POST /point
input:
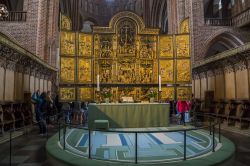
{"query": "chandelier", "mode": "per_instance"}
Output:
(3, 11)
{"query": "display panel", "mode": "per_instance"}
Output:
(85, 44)
(167, 71)
(67, 71)
(84, 70)
(182, 45)
(166, 46)
(67, 94)
(168, 93)
(184, 26)
(85, 93)
(67, 43)
(126, 69)
(183, 70)
(184, 93)
(104, 68)
(66, 23)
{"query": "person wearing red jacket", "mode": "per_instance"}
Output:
(182, 106)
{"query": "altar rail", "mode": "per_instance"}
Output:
(210, 123)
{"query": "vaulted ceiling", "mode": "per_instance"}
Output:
(99, 12)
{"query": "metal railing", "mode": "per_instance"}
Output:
(238, 20)
(11, 131)
(218, 22)
(211, 127)
(18, 16)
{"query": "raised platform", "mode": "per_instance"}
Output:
(155, 148)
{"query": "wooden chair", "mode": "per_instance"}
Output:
(26, 113)
(238, 115)
(19, 120)
(231, 112)
(8, 117)
(245, 120)
(1, 120)
(220, 109)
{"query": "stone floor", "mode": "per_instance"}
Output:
(29, 150)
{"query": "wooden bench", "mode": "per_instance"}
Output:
(101, 124)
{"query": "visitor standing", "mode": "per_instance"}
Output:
(34, 100)
(41, 112)
(49, 104)
(181, 107)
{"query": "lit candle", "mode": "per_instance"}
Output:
(159, 82)
(98, 82)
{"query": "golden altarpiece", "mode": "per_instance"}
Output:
(127, 58)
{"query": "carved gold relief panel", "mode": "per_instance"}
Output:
(184, 93)
(126, 70)
(167, 71)
(166, 46)
(85, 94)
(146, 71)
(84, 70)
(67, 94)
(146, 46)
(67, 43)
(183, 70)
(65, 23)
(105, 70)
(85, 44)
(126, 35)
(184, 26)
(182, 45)
(104, 47)
(167, 93)
(67, 70)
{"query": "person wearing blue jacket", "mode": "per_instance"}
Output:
(40, 111)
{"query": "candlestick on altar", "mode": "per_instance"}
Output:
(98, 83)
(159, 82)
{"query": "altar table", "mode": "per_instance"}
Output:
(130, 115)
